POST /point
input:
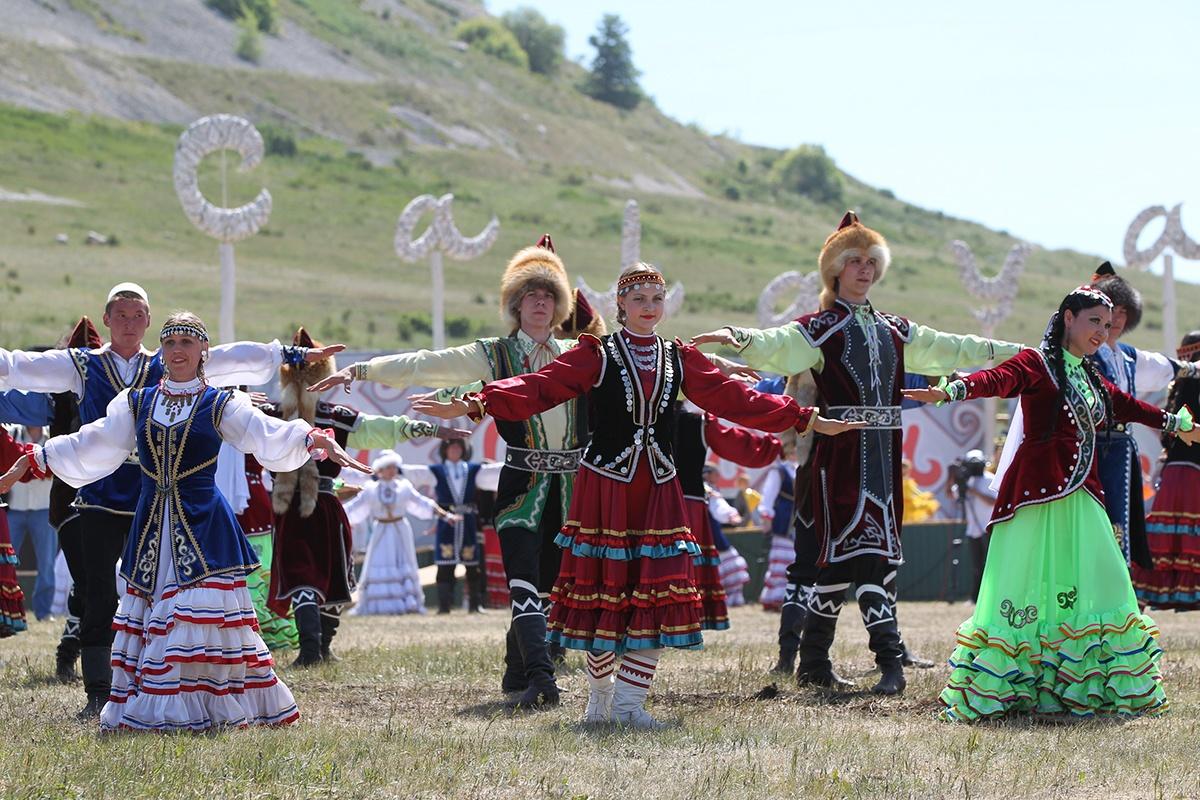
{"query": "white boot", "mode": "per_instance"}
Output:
(632, 686)
(601, 676)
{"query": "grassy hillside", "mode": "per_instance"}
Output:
(410, 114)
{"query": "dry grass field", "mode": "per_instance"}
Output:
(413, 710)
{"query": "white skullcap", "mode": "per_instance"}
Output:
(128, 287)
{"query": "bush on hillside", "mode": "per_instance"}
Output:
(265, 12)
(249, 43)
(809, 171)
(277, 141)
(541, 40)
(489, 36)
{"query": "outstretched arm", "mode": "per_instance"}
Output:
(278, 445)
(739, 445)
(783, 349)
(520, 397)
(373, 431)
(705, 386)
(1127, 408)
(93, 451)
(256, 363)
(1009, 379)
(51, 371)
(935, 353)
(452, 366)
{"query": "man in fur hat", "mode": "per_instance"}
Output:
(858, 356)
(542, 452)
(96, 375)
(312, 572)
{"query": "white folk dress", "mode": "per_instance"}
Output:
(391, 581)
(187, 654)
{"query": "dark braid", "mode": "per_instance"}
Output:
(1174, 401)
(1052, 346)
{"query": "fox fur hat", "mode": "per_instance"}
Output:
(537, 267)
(851, 238)
(296, 402)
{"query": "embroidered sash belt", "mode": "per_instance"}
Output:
(549, 461)
(876, 417)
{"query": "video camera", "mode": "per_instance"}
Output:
(962, 470)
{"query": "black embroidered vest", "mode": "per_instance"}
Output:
(629, 423)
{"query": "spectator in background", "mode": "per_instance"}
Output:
(746, 501)
(980, 499)
(29, 516)
(918, 505)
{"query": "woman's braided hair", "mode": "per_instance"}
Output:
(1081, 299)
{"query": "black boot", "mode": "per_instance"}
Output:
(891, 680)
(539, 671)
(68, 652)
(329, 626)
(474, 590)
(514, 679)
(96, 663)
(883, 637)
(791, 625)
(815, 667)
(558, 654)
(308, 625)
(445, 591)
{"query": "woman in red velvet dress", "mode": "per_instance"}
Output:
(626, 585)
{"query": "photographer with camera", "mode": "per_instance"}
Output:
(971, 486)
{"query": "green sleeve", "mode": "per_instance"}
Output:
(783, 350)
(453, 366)
(935, 353)
(373, 431)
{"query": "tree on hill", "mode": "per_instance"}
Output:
(541, 39)
(263, 13)
(808, 170)
(489, 36)
(613, 78)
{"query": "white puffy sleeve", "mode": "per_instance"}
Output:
(96, 449)
(358, 508)
(278, 445)
(243, 363)
(52, 371)
(415, 503)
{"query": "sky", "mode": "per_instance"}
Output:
(1056, 122)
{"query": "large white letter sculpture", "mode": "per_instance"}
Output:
(997, 295)
(207, 135)
(800, 292)
(605, 302)
(442, 236)
(1172, 238)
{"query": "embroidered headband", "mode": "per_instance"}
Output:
(1095, 294)
(639, 280)
(184, 329)
(1186, 351)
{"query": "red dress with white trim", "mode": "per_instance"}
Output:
(626, 581)
(187, 653)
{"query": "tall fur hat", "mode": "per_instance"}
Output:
(537, 267)
(851, 238)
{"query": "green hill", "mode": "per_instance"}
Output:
(382, 106)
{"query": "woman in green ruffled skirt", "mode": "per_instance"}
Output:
(1057, 628)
